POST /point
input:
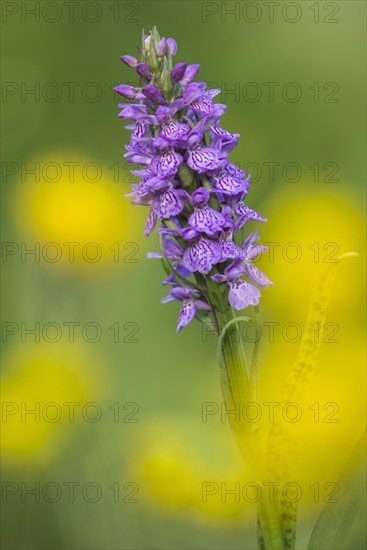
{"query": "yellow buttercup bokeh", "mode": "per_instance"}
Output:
(76, 210)
(44, 387)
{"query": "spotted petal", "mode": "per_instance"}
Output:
(166, 164)
(205, 159)
(230, 186)
(171, 203)
(187, 314)
(256, 276)
(247, 214)
(242, 294)
(174, 131)
(234, 171)
(203, 106)
(230, 250)
(201, 256)
(139, 132)
(151, 221)
(207, 220)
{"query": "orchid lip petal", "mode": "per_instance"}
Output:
(170, 204)
(206, 220)
(201, 256)
(231, 186)
(187, 314)
(242, 294)
(166, 164)
(204, 159)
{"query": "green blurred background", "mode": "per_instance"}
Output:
(142, 441)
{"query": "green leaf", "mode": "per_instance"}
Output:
(333, 527)
(283, 442)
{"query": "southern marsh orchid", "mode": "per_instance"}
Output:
(186, 177)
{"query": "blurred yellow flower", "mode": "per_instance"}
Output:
(189, 467)
(44, 387)
(306, 232)
(76, 204)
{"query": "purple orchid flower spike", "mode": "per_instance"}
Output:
(191, 302)
(194, 193)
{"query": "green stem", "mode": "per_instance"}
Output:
(238, 388)
(254, 367)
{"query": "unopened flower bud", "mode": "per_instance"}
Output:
(129, 60)
(190, 73)
(143, 70)
(126, 91)
(154, 94)
(172, 45)
(147, 43)
(178, 72)
(162, 47)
